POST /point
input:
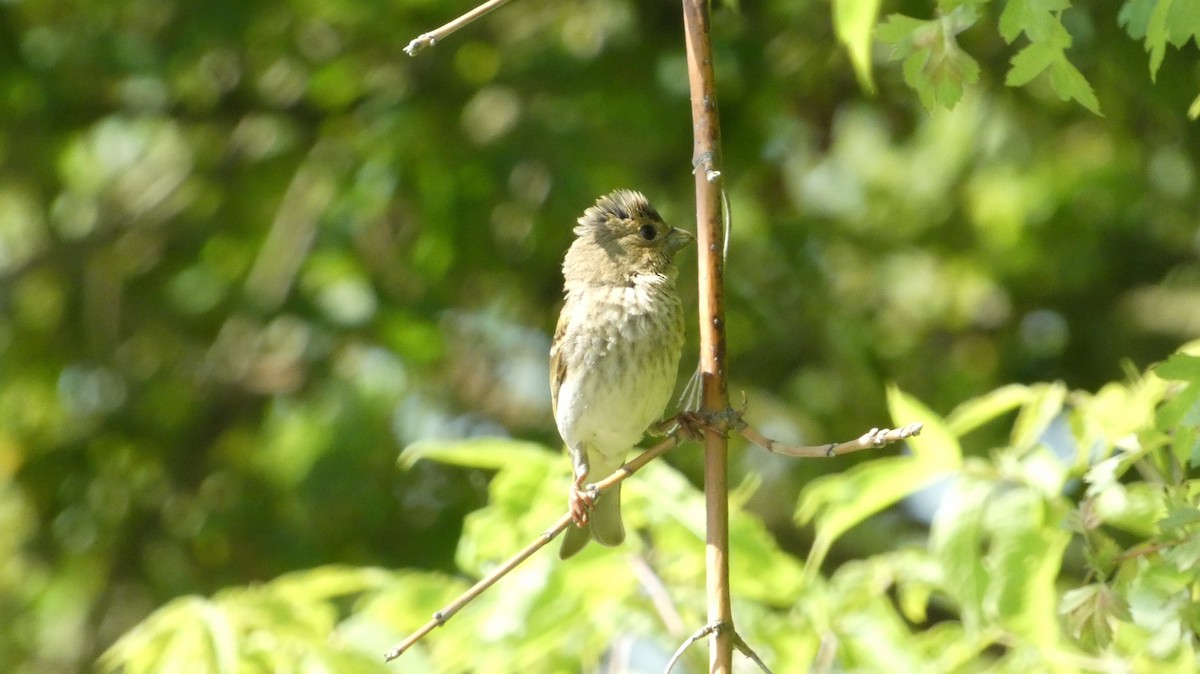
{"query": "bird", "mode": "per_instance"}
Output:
(615, 355)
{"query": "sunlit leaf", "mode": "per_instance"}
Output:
(485, 453)
(1036, 18)
(1044, 405)
(853, 22)
(1023, 562)
(957, 539)
(980, 410)
(936, 444)
(1179, 366)
(835, 503)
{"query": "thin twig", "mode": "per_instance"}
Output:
(717, 627)
(434, 36)
(447, 612)
(660, 598)
(876, 437)
(713, 627)
(823, 663)
(744, 648)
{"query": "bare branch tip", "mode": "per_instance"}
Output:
(420, 43)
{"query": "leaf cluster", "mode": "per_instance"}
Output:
(1074, 546)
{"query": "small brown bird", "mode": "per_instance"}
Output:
(615, 355)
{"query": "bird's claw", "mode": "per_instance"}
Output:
(581, 501)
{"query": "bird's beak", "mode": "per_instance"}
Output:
(678, 238)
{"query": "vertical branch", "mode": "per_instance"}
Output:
(706, 165)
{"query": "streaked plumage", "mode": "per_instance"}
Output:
(615, 355)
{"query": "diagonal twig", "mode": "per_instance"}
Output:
(744, 648)
(713, 627)
(447, 612)
(434, 36)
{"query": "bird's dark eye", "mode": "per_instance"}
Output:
(648, 232)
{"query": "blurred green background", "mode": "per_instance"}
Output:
(249, 251)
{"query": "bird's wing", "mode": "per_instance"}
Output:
(558, 364)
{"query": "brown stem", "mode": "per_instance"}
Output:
(706, 161)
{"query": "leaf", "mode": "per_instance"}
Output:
(1069, 83)
(1157, 35)
(1135, 16)
(952, 72)
(853, 21)
(1179, 518)
(1090, 611)
(957, 538)
(1180, 366)
(1024, 560)
(978, 411)
(1194, 109)
(1038, 19)
(1044, 405)
(835, 503)
(900, 31)
(936, 444)
(1030, 62)
(485, 453)
(838, 502)
(1184, 23)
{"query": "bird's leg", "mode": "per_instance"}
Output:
(581, 500)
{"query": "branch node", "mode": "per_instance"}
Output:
(713, 627)
(712, 175)
(705, 160)
(440, 618)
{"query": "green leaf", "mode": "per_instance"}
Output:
(1030, 62)
(933, 65)
(1069, 83)
(980, 410)
(853, 21)
(1044, 405)
(1090, 611)
(1157, 36)
(838, 502)
(485, 453)
(1038, 19)
(1185, 446)
(957, 538)
(835, 503)
(1179, 518)
(902, 33)
(1180, 366)
(936, 444)
(1184, 23)
(952, 72)
(1135, 16)
(1194, 109)
(1023, 561)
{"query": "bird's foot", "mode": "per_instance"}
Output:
(581, 501)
